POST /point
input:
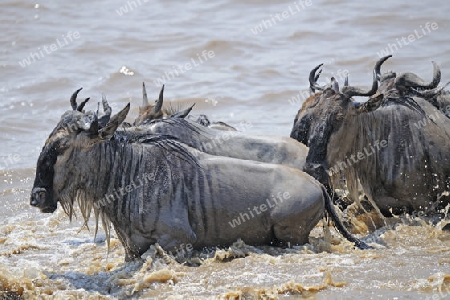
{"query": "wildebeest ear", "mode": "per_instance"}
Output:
(371, 104)
(108, 131)
(159, 102)
(182, 114)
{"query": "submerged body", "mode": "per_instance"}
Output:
(184, 201)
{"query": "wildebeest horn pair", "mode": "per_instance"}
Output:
(106, 108)
(97, 125)
(73, 101)
(158, 102)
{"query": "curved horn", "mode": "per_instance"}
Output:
(412, 80)
(144, 95)
(313, 79)
(431, 93)
(159, 102)
(82, 104)
(73, 99)
(350, 91)
(378, 65)
(317, 75)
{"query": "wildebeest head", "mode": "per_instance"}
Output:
(75, 131)
(328, 110)
(324, 112)
(149, 112)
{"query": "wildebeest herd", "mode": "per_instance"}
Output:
(201, 175)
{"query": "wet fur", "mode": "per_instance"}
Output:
(410, 173)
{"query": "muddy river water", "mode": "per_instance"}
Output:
(242, 62)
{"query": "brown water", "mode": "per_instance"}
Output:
(241, 77)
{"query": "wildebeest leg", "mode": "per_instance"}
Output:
(289, 234)
(390, 206)
(294, 221)
(170, 244)
(174, 232)
(130, 255)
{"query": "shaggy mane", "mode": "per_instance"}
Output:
(167, 143)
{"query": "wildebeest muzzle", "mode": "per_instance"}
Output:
(42, 199)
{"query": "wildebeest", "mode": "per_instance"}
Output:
(149, 112)
(269, 149)
(396, 145)
(153, 190)
(229, 143)
(443, 102)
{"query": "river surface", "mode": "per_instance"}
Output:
(239, 61)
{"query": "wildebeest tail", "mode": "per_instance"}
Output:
(338, 224)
